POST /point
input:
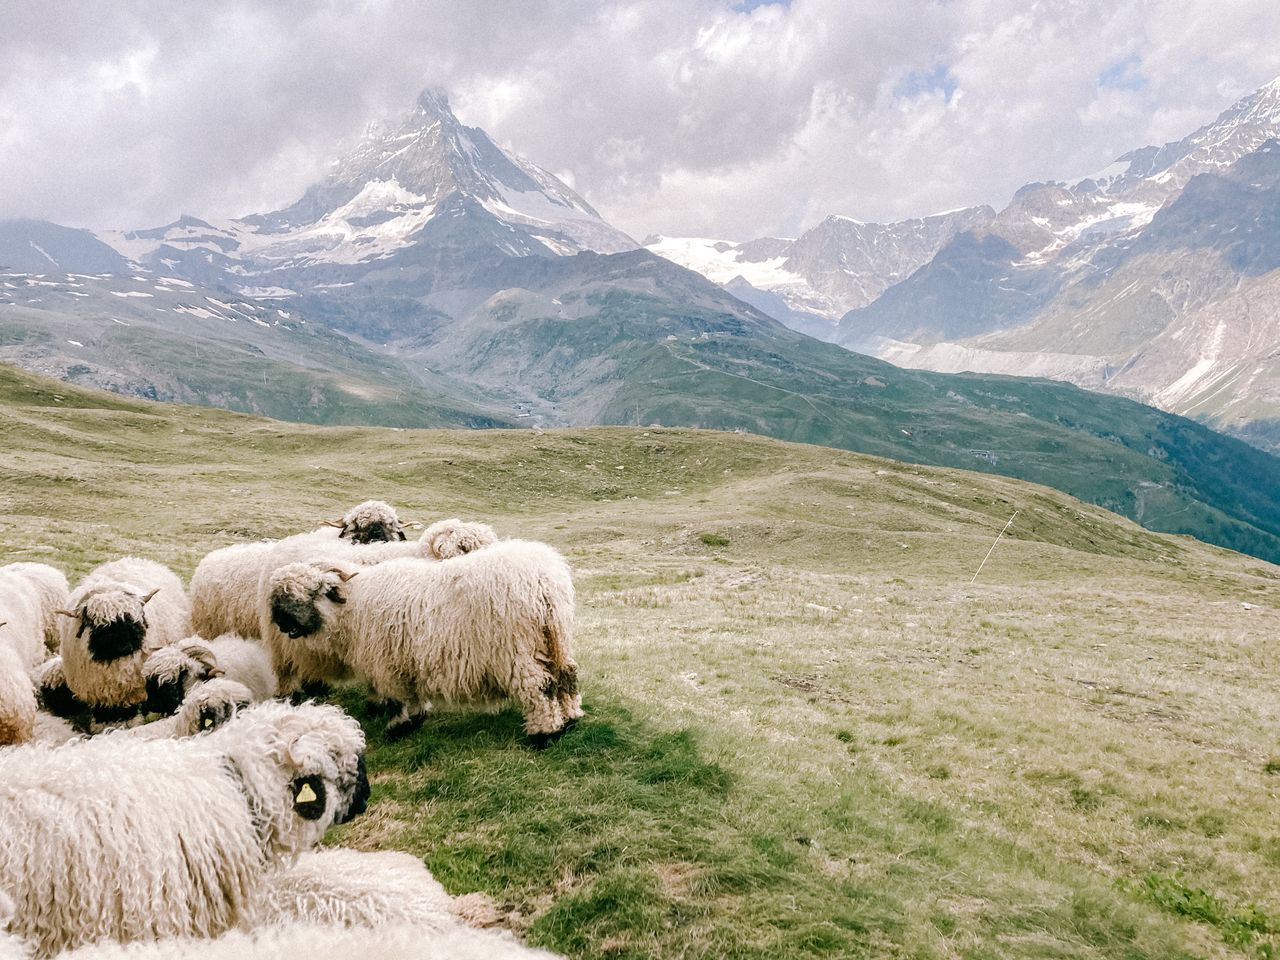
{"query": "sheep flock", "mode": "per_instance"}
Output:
(165, 782)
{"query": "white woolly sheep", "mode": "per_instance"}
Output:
(126, 838)
(30, 594)
(49, 587)
(450, 538)
(224, 589)
(373, 521)
(398, 942)
(118, 615)
(207, 706)
(51, 730)
(171, 672)
(491, 624)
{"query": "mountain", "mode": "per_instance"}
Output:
(1154, 279)
(415, 286)
(828, 270)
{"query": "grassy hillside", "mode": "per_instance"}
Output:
(808, 733)
(644, 342)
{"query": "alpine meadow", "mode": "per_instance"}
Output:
(825, 505)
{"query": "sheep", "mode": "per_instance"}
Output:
(30, 593)
(450, 538)
(207, 706)
(119, 614)
(171, 672)
(49, 588)
(125, 838)
(490, 624)
(395, 942)
(373, 521)
(11, 948)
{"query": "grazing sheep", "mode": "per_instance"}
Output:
(119, 614)
(48, 587)
(29, 599)
(450, 538)
(373, 521)
(171, 672)
(292, 942)
(491, 624)
(126, 838)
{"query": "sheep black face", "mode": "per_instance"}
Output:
(375, 532)
(164, 694)
(295, 618)
(116, 638)
(303, 596)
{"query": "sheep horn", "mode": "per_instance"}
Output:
(150, 595)
(343, 575)
(67, 613)
(332, 523)
(4, 623)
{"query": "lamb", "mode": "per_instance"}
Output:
(490, 624)
(171, 672)
(397, 942)
(128, 608)
(46, 585)
(30, 594)
(126, 838)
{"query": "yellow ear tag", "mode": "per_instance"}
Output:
(208, 722)
(306, 794)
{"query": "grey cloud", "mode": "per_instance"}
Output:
(674, 116)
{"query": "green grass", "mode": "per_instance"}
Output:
(817, 740)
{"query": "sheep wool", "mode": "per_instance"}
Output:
(30, 594)
(299, 941)
(171, 672)
(450, 538)
(224, 590)
(490, 624)
(124, 838)
(119, 614)
(49, 588)
(373, 521)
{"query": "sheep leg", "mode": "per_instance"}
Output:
(407, 720)
(570, 698)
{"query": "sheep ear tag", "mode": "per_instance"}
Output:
(308, 797)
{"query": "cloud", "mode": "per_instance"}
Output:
(676, 116)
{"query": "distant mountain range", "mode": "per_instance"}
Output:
(434, 280)
(1154, 278)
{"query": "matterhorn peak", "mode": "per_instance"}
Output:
(434, 102)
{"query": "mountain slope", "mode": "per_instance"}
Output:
(1151, 280)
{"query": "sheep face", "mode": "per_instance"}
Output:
(304, 599)
(116, 623)
(212, 704)
(371, 522)
(171, 672)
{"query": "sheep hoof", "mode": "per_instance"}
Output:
(540, 741)
(401, 727)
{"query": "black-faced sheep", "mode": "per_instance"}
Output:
(171, 672)
(373, 521)
(207, 706)
(126, 838)
(488, 625)
(118, 615)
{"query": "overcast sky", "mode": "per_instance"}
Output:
(683, 117)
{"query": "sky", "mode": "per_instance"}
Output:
(681, 117)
